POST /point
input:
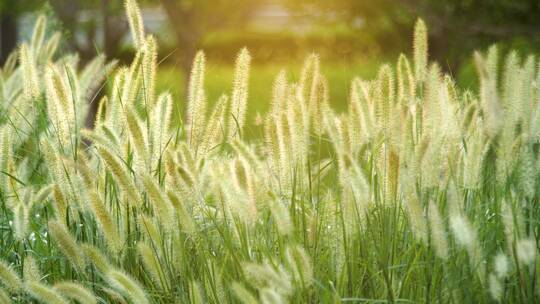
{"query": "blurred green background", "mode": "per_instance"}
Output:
(352, 36)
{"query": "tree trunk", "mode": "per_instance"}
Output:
(184, 24)
(114, 27)
(107, 43)
(8, 34)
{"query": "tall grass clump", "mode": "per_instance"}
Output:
(420, 192)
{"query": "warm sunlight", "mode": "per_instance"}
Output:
(240, 151)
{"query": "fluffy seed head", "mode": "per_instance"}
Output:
(44, 294)
(29, 73)
(6, 142)
(406, 82)
(438, 233)
(135, 22)
(462, 230)
(186, 220)
(161, 124)
(416, 216)
(127, 286)
(149, 66)
(271, 296)
(217, 126)
(60, 106)
(31, 269)
(162, 207)
(239, 93)
(75, 291)
(196, 108)
(526, 251)
(301, 264)
(242, 294)
(66, 243)
(42, 195)
(115, 296)
(4, 297)
(151, 264)
(495, 287)
(103, 217)
(265, 275)
(20, 220)
(507, 216)
(117, 169)
(420, 50)
(282, 217)
(38, 34)
(138, 138)
(501, 265)
(96, 257)
(51, 46)
(9, 277)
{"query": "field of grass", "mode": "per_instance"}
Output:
(219, 79)
(399, 188)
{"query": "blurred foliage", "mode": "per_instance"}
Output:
(339, 30)
(457, 27)
(219, 79)
(15, 7)
(192, 19)
(83, 18)
(337, 44)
